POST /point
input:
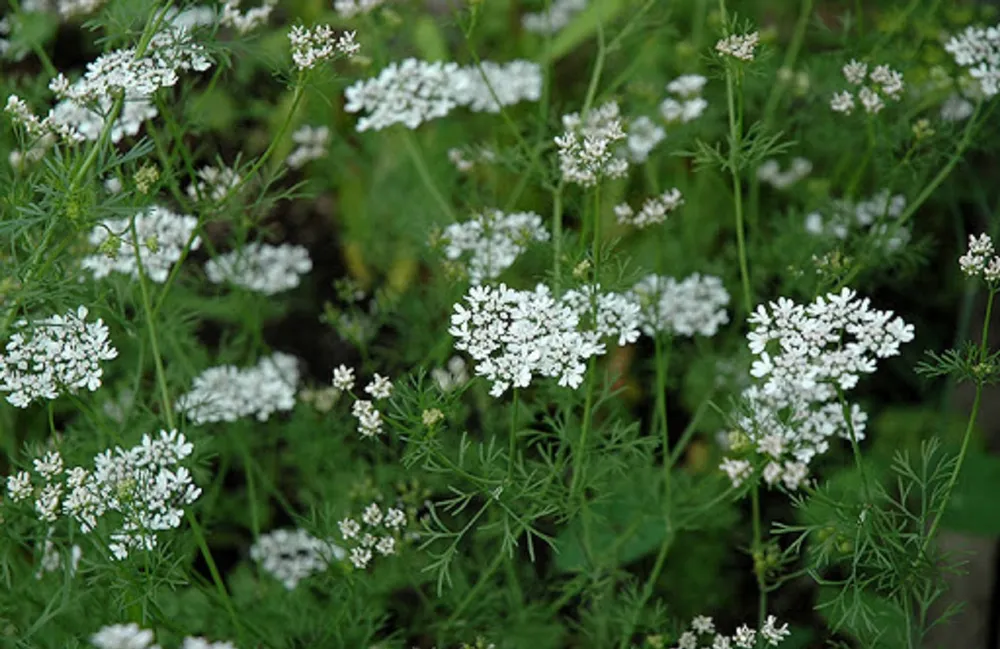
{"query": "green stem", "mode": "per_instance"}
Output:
(557, 228)
(512, 443)
(758, 554)
(735, 143)
(425, 175)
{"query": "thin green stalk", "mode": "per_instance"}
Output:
(251, 485)
(425, 175)
(595, 75)
(512, 444)
(735, 142)
(758, 554)
(588, 405)
(557, 228)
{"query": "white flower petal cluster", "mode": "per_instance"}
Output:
(310, 47)
(226, 393)
(378, 533)
(558, 15)
(491, 241)
(702, 634)
(873, 216)
(516, 335)
(261, 267)
(465, 159)
(353, 8)
(653, 212)
(132, 636)
(53, 560)
(693, 306)
(452, 376)
(144, 487)
(291, 555)
(588, 146)
(807, 356)
(770, 173)
(214, 183)
(160, 237)
(979, 260)
(412, 92)
(956, 108)
(886, 83)
(48, 357)
(642, 137)
(686, 104)
(739, 46)
(978, 49)
(310, 144)
(246, 21)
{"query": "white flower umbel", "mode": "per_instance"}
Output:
(312, 46)
(378, 533)
(214, 183)
(491, 241)
(48, 357)
(886, 83)
(588, 146)
(739, 46)
(702, 634)
(310, 144)
(412, 92)
(226, 393)
(807, 357)
(654, 210)
(978, 49)
(694, 306)
(160, 238)
(643, 136)
(291, 555)
(979, 260)
(873, 217)
(261, 267)
(139, 491)
(558, 16)
(132, 636)
(611, 315)
(770, 173)
(353, 8)
(686, 104)
(246, 21)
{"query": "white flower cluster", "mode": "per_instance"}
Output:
(874, 216)
(378, 531)
(515, 335)
(261, 267)
(979, 260)
(739, 46)
(887, 83)
(132, 636)
(642, 137)
(693, 306)
(369, 418)
(452, 376)
(353, 8)
(310, 145)
(558, 15)
(465, 159)
(703, 628)
(53, 561)
(654, 211)
(412, 92)
(160, 237)
(820, 351)
(491, 241)
(956, 108)
(47, 357)
(978, 49)
(291, 555)
(214, 183)
(687, 104)
(311, 47)
(769, 172)
(587, 147)
(246, 21)
(227, 393)
(145, 485)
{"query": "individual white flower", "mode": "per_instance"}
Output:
(654, 210)
(739, 46)
(369, 418)
(349, 528)
(694, 306)
(19, 486)
(452, 376)
(491, 241)
(160, 237)
(361, 557)
(643, 136)
(386, 546)
(310, 145)
(226, 393)
(343, 378)
(291, 555)
(49, 466)
(687, 85)
(395, 519)
(559, 14)
(702, 624)
(588, 146)
(246, 21)
(353, 8)
(978, 49)
(261, 267)
(310, 47)
(870, 100)
(372, 515)
(855, 72)
(685, 111)
(58, 354)
(745, 638)
(770, 172)
(842, 102)
(380, 387)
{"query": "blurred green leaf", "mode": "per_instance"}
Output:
(973, 506)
